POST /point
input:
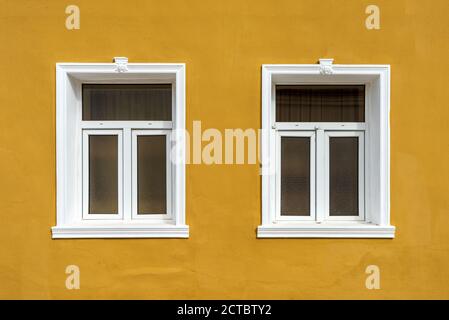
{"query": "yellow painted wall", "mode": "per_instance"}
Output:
(224, 43)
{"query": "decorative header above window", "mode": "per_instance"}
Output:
(121, 63)
(326, 66)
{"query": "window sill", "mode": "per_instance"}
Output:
(326, 230)
(120, 231)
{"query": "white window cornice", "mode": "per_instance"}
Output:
(377, 81)
(69, 77)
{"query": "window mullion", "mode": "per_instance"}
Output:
(127, 173)
(321, 155)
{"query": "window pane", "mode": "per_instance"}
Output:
(316, 103)
(295, 176)
(344, 176)
(151, 174)
(103, 174)
(102, 102)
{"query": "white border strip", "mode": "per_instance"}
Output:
(87, 232)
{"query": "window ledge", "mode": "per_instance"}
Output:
(120, 231)
(359, 230)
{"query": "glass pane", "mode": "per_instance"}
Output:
(316, 103)
(103, 174)
(295, 176)
(102, 102)
(151, 175)
(344, 176)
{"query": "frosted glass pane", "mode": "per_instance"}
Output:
(295, 176)
(344, 176)
(103, 102)
(317, 103)
(151, 174)
(103, 174)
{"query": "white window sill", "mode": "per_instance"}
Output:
(120, 231)
(326, 230)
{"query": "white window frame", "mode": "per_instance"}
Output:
(376, 151)
(69, 153)
(361, 175)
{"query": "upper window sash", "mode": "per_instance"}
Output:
(161, 107)
(320, 103)
(310, 135)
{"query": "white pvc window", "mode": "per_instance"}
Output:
(325, 151)
(320, 172)
(120, 151)
(114, 139)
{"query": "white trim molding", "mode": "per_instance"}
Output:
(69, 134)
(376, 188)
(326, 231)
(120, 231)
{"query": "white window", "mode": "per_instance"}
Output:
(325, 151)
(120, 150)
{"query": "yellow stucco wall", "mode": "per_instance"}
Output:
(223, 44)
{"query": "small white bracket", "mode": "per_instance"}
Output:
(121, 64)
(326, 66)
